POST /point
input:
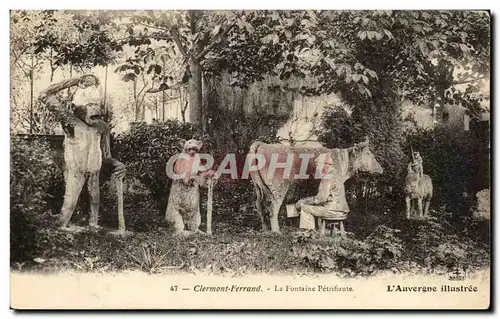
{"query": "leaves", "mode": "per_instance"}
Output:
(423, 48)
(154, 67)
(271, 38)
(216, 30)
(396, 46)
(129, 77)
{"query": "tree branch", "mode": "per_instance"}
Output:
(18, 61)
(17, 56)
(153, 27)
(154, 37)
(468, 81)
(213, 44)
(175, 34)
(140, 92)
(234, 51)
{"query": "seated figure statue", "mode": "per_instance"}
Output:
(330, 202)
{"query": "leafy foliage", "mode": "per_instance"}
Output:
(32, 175)
(381, 250)
(451, 158)
(351, 51)
(435, 243)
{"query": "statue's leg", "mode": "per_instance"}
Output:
(194, 215)
(408, 206)
(278, 196)
(427, 204)
(93, 187)
(307, 217)
(173, 216)
(275, 227)
(420, 209)
(73, 182)
(260, 208)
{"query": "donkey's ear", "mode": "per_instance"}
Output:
(200, 144)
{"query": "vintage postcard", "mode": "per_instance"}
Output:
(250, 159)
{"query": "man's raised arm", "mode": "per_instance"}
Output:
(48, 97)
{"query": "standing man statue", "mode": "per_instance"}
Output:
(86, 143)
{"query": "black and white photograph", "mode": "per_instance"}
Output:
(250, 159)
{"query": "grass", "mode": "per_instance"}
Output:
(159, 251)
(237, 247)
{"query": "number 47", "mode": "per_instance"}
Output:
(173, 288)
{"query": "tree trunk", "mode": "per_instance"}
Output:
(52, 69)
(105, 90)
(163, 94)
(31, 96)
(440, 111)
(157, 116)
(183, 112)
(137, 113)
(195, 79)
(163, 105)
(434, 112)
(195, 92)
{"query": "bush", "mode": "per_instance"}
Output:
(450, 159)
(33, 174)
(381, 250)
(437, 244)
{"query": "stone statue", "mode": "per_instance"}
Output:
(183, 208)
(86, 144)
(418, 187)
(345, 162)
(416, 165)
(329, 203)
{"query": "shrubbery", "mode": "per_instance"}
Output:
(450, 158)
(438, 243)
(432, 245)
(382, 249)
(33, 174)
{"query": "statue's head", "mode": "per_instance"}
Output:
(89, 113)
(87, 101)
(191, 146)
